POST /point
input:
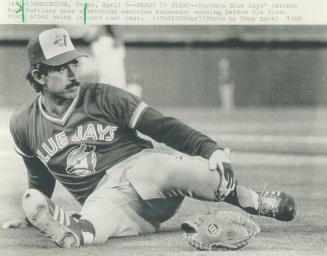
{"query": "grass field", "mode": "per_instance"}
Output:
(285, 148)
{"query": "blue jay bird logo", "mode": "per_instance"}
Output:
(60, 40)
(82, 161)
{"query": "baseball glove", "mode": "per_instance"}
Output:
(224, 230)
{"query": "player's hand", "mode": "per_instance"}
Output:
(220, 161)
(15, 223)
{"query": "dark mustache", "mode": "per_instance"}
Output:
(73, 84)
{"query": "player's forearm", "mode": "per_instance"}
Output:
(43, 185)
(176, 134)
(39, 177)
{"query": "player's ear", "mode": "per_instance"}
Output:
(38, 77)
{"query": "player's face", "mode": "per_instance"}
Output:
(62, 81)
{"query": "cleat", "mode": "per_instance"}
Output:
(277, 205)
(46, 216)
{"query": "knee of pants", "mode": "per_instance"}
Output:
(160, 168)
(164, 176)
(151, 169)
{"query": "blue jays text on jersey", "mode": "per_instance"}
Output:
(90, 132)
(97, 131)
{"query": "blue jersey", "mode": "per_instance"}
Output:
(97, 131)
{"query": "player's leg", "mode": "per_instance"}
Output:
(158, 175)
(113, 210)
(274, 204)
(118, 212)
(116, 209)
(137, 217)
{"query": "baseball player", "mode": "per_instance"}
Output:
(85, 137)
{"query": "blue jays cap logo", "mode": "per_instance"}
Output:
(60, 40)
(82, 161)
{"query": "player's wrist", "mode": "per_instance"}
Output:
(209, 149)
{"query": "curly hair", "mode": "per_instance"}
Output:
(40, 69)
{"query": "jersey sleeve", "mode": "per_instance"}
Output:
(174, 133)
(19, 134)
(38, 176)
(123, 107)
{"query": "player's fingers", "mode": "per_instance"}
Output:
(221, 169)
(232, 179)
(223, 188)
(9, 224)
(212, 165)
(231, 183)
(229, 180)
(14, 224)
(6, 225)
(216, 166)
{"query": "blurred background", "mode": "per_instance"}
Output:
(251, 88)
(191, 65)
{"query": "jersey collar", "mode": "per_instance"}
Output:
(61, 120)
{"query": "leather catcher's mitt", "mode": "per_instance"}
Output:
(224, 230)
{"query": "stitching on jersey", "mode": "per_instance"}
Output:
(136, 115)
(64, 117)
(20, 152)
